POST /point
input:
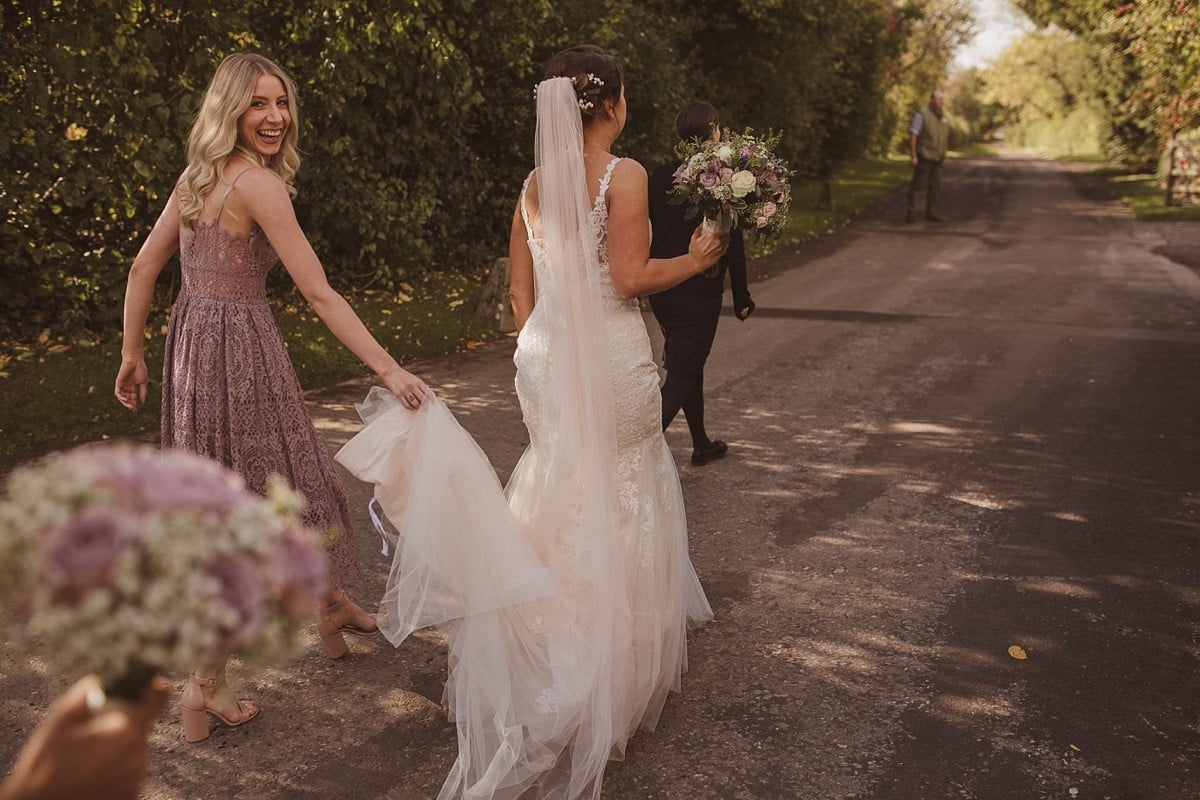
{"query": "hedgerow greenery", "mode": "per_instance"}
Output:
(417, 119)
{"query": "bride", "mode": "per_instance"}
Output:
(566, 597)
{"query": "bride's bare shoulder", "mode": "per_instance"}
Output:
(629, 169)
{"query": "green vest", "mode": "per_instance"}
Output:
(934, 137)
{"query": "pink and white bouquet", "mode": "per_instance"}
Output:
(129, 562)
(737, 181)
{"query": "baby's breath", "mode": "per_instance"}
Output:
(154, 598)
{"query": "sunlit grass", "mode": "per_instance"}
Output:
(61, 393)
(1145, 197)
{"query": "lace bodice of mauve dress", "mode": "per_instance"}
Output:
(229, 389)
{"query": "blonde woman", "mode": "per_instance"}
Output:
(229, 389)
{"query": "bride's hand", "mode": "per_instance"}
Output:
(408, 388)
(707, 247)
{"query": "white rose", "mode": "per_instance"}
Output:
(742, 183)
(724, 152)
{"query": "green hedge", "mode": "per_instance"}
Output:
(417, 119)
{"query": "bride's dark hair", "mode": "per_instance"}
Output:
(597, 76)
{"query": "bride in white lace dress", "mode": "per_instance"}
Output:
(565, 608)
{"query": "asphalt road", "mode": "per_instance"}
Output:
(946, 440)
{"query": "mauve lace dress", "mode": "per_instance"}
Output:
(230, 392)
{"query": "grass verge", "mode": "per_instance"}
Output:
(1142, 194)
(56, 394)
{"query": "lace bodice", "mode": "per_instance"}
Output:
(225, 265)
(599, 223)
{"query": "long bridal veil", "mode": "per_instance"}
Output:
(563, 636)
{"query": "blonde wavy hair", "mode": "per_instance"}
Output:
(214, 137)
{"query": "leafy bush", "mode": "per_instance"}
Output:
(417, 119)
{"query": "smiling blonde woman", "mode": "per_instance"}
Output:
(229, 390)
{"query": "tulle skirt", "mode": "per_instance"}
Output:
(563, 639)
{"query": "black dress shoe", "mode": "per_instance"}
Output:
(703, 455)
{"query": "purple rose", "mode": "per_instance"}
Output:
(241, 591)
(83, 552)
(708, 180)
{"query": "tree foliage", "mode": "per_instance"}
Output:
(924, 36)
(1145, 57)
(417, 115)
(1046, 83)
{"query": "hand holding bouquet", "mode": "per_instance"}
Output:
(130, 562)
(737, 181)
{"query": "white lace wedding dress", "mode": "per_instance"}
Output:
(566, 597)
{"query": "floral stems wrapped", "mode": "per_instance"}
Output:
(129, 562)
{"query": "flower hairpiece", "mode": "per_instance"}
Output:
(584, 103)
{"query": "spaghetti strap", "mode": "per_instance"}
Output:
(228, 189)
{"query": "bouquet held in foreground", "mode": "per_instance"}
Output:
(131, 562)
(737, 181)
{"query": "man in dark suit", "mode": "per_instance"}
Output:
(688, 312)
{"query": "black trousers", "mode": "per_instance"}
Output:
(689, 326)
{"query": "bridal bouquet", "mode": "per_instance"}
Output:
(129, 562)
(737, 181)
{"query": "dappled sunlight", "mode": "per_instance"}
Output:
(982, 501)
(924, 427)
(965, 709)
(826, 660)
(1058, 586)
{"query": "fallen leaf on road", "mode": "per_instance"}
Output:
(1018, 652)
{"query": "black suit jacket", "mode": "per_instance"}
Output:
(672, 232)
